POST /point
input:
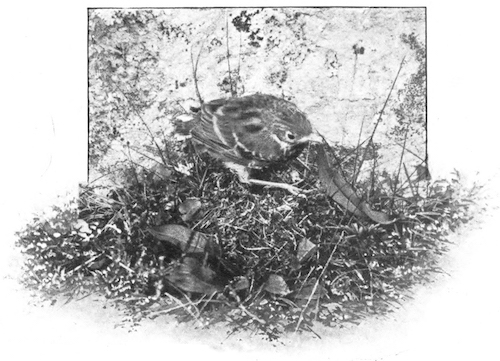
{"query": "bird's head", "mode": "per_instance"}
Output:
(293, 128)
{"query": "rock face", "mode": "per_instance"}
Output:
(336, 64)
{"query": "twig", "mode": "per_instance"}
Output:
(233, 93)
(121, 264)
(400, 166)
(195, 68)
(130, 160)
(135, 149)
(87, 262)
(194, 65)
(301, 316)
(358, 147)
(185, 306)
(411, 152)
(210, 298)
(315, 333)
(409, 180)
(144, 123)
(239, 59)
(202, 182)
(370, 141)
(256, 318)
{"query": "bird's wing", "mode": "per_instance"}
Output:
(240, 129)
(239, 123)
(215, 135)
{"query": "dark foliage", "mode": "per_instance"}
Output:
(283, 263)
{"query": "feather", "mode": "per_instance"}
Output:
(251, 131)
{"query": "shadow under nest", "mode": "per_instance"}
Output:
(269, 261)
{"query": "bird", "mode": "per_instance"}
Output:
(251, 132)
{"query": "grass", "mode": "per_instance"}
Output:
(178, 234)
(271, 262)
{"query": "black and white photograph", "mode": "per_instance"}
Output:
(246, 181)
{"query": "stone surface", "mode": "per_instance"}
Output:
(336, 64)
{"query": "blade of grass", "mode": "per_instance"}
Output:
(358, 147)
(409, 181)
(330, 257)
(396, 179)
(134, 109)
(228, 56)
(379, 119)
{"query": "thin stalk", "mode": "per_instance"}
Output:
(194, 67)
(160, 152)
(370, 139)
(358, 147)
(330, 257)
(409, 181)
(396, 180)
(233, 93)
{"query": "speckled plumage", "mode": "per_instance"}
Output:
(253, 131)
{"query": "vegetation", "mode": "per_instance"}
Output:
(164, 230)
(277, 262)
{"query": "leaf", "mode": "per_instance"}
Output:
(159, 172)
(376, 216)
(310, 291)
(187, 240)
(191, 275)
(241, 283)
(305, 249)
(189, 208)
(100, 264)
(343, 193)
(277, 285)
(82, 226)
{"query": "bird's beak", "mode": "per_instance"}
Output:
(314, 137)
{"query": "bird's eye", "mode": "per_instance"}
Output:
(290, 136)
